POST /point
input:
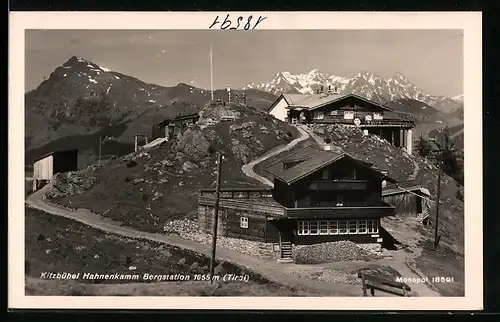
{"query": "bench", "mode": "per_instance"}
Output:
(373, 282)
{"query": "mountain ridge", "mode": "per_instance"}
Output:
(81, 97)
(366, 84)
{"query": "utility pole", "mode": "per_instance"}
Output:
(440, 165)
(100, 148)
(216, 216)
(211, 75)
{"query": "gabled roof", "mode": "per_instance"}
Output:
(315, 101)
(289, 98)
(179, 118)
(52, 153)
(294, 98)
(314, 159)
(399, 190)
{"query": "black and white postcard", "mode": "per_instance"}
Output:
(245, 160)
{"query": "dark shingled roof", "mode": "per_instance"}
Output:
(43, 156)
(312, 159)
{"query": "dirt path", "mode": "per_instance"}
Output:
(271, 269)
(248, 168)
(311, 133)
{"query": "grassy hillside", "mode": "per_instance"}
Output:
(151, 187)
(55, 244)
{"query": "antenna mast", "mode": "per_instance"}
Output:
(211, 75)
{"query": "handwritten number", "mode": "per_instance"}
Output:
(259, 21)
(238, 23)
(247, 25)
(214, 23)
(226, 21)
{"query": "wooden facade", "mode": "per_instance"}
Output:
(46, 166)
(320, 198)
(170, 128)
(411, 201)
(243, 213)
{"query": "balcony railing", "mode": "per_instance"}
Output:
(237, 193)
(341, 212)
(339, 185)
(364, 123)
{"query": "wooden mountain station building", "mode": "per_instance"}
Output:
(171, 127)
(330, 107)
(46, 166)
(318, 196)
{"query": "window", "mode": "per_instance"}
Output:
(377, 116)
(323, 227)
(325, 174)
(333, 227)
(342, 227)
(340, 200)
(353, 227)
(361, 226)
(244, 222)
(303, 227)
(373, 226)
(318, 115)
(313, 227)
(348, 115)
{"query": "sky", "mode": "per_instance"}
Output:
(430, 59)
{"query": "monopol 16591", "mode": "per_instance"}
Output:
(442, 279)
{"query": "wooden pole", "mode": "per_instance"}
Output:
(436, 233)
(100, 151)
(363, 284)
(211, 76)
(216, 216)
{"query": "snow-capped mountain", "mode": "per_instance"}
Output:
(364, 84)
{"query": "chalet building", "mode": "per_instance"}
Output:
(318, 196)
(171, 127)
(408, 201)
(46, 166)
(348, 109)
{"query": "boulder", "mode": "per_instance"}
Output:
(69, 184)
(189, 166)
(194, 144)
(235, 127)
(241, 152)
(247, 125)
(246, 134)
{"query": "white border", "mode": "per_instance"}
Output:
(470, 22)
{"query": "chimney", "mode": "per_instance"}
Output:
(327, 146)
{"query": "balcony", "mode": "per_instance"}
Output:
(328, 185)
(341, 212)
